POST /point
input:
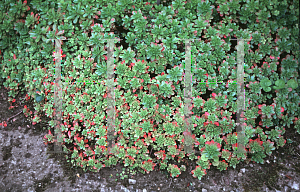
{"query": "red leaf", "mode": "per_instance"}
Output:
(206, 123)
(206, 115)
(259, 112)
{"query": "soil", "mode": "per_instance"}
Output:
(27, 165)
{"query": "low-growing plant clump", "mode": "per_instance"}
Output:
(149, 78)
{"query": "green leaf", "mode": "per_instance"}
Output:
(215, 163)
(204, 158)
(279, 84)
(292, 83)
(265, 83)
(267, 89)
(127, 55)
(174, 74)
(39, 97)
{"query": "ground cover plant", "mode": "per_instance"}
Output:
(149, 78)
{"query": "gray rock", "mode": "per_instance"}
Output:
(295, 186)
(132, 181)
(286, 188)
(124, 189)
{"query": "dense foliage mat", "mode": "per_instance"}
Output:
(149, 74)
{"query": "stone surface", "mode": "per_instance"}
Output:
(132, 181)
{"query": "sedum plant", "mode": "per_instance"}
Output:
(149, 83)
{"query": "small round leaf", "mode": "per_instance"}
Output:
(292, 83)
(267, 89)
(203, 157)
(279, 84)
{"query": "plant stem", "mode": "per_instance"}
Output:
(14, 116)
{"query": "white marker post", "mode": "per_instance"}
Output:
(240, 97)
(188, 140)
(58, 98)
(111, 113)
